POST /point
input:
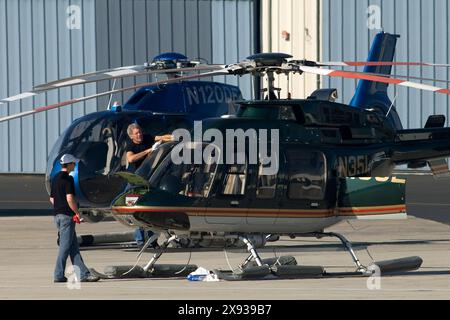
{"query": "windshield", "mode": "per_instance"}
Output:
(98, 141)
(190, 180)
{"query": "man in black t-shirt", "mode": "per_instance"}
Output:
(138, 148)
(66, 213)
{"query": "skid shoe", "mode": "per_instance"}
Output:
(158, 271)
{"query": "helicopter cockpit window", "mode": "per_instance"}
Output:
(235, 180)
(307, 175)
(190, 180)
(94, 141)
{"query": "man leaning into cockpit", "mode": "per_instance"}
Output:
(138, 148)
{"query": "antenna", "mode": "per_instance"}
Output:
(111, 96)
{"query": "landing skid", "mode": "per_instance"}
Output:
(255, 268)
(151, 270)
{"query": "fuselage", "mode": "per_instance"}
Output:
(322, 156)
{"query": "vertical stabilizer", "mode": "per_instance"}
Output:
(373, 95)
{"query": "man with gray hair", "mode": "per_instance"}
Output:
(138, 147)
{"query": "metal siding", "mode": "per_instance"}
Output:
(38, 54)
(128, 44)
(231, 36)
(427, 32)
(179, 22)
(441, 53)
(115, 44)
(13, 25)
(423, 26)
(51, 35)
(37, 47)
(64, 63)
(336, 40)
(89, 49)
(218, 33)
(192, 31)
(26, 77)
(244, 42)
(349, 45)
(102, 47)
(165, 31)
(140, 34)
(325, 47)
(415, 54)
(204, 29)
(77, 65)
(153, 45)
(401, 27)
(4, 127)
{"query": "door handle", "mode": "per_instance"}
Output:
(234, 203)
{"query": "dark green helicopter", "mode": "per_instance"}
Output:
(283, 167)
(332, 163)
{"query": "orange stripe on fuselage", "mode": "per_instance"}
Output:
(267, 213)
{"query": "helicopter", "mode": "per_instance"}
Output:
(99, 138)
(343, 146)
(330, 160)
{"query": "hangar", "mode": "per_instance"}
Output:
(43, 40)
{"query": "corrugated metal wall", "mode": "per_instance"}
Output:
(134, 31)
(36, 46)
(424, 28)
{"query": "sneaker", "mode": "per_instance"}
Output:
(90, 278)
(60, 280)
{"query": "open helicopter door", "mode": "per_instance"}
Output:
(266, 194)
(229, 200)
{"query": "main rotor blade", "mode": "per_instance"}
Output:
(123, 72)
(369, 77)
(133, 71)
(402, 76)
(380, 63)
(76, 100)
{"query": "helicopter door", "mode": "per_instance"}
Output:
(265, 198)
(228, 203)
(304, 198)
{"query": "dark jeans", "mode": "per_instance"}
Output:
(139, 236)
(68, 246)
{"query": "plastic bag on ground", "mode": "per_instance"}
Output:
(201, 274)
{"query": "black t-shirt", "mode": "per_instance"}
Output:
(138, 148)
(62, 185)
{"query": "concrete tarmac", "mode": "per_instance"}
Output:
(28, 251)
